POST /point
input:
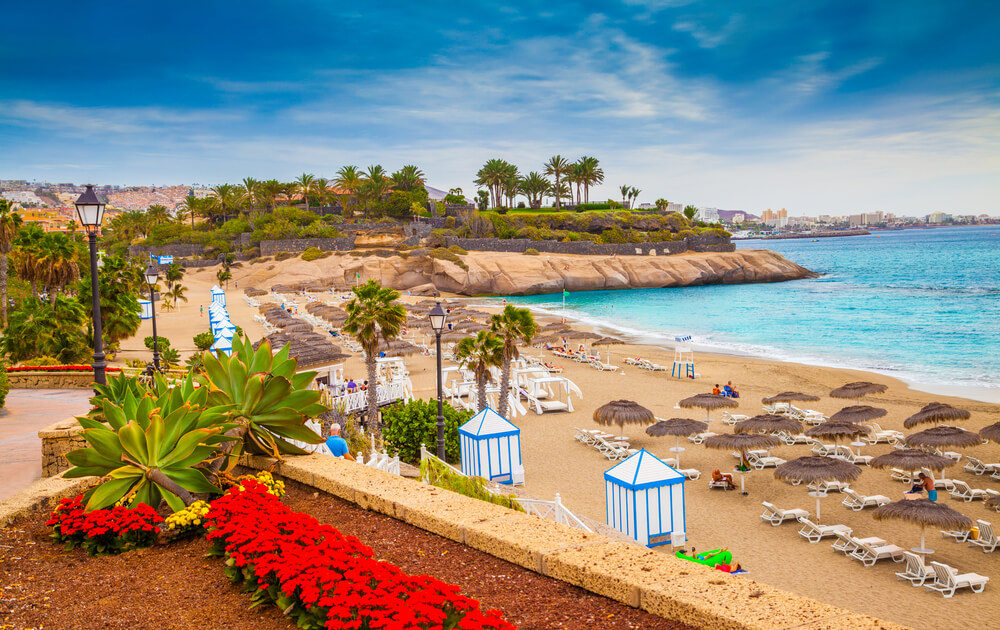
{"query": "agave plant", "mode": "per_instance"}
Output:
(115, 391)
(150, 447)
(269, 402)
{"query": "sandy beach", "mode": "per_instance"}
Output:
(557, 463)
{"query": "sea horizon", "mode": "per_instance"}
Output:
(916, 305)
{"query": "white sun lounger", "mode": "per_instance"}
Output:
(829, 486)
(776, 516)
(814, 533)
(858, 502)
(960, 535)
(700, 437)
(760, 462)
(947, 580)
(733, 418)
(916, 572)
(792, 440)
(691, 473)
(978, 467)
(846, 543)
(987, 538)
(967, 494)
(879, 435)
(870, 554)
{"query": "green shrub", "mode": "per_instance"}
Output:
(446, 254)
(261, 259)
(41, 361)
(283, 256)
(531, 251)
(169, 358)
(204, 341)
(437, 474)
(583, 207)
(529, 233)
(683, 234)
(449, 223)
(251, 252)
(406, 427)
(4, 383)
(162, 342)
(458, 250)
(314, 253)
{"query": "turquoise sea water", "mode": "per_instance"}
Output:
(921, 305)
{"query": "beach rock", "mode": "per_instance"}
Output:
(497, 273)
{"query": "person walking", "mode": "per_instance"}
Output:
(338, 445)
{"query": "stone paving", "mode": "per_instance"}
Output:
(26, 412)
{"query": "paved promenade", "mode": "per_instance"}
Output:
(27, 412)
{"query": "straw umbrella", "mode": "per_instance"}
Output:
(677, 427)
(936, 412)
(622, 412)
(742, 442)
(911, 460)
(943, 436)
(991, 432)
(858, 390)
(769, 423)
(789, 397)
(925, 513)
(858, 413)
(813, 468)
(607, 341)
(708, 402)
(834, 430)
(993, 502)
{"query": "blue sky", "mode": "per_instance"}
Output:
(819, 107)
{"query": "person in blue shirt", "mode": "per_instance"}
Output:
(337, 444)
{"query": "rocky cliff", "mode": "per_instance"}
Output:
(495, 273)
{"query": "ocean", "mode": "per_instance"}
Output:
(922, 305)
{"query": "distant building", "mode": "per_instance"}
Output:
(22, 196)
(739, 217)
(708, 215)
(768, 217)
(938, 217)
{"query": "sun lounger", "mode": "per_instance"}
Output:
(720, 485)
(967, 494)
(760, 462)
(987, 537)
(604, 367)
(947, 580)
(792, 440)
(978, 467)
(822, 449)
(960, 535)
(814, 533)
(698, 438)
(949, 454)
(814, 418)
(858, 502)
(879, 435)
(846, 543)
(776, 516)
(869, 554)
(733, 418)
(829, 486)
(691, 473)
(916, 572)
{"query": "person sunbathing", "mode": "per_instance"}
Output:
(717, 476)
(716, 391)
(730, 390)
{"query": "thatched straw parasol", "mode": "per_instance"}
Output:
(912, 459)
(622, 412)
(677, 427)
(943, 436)
(398, 348)
(925, 513)
(741, 442)
(789, 397)
(837, 430)
(991, 432)
(993, 502)
(936, 412)
(858, 413)
(607, 341)
(813, 468)
(553, 327)
(580, 334)
(708, 402)
(769, 423)
(858, 390)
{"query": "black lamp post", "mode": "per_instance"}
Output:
(152, 275)
(90, 209)
(437, 317)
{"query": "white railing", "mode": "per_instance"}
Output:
(553, 510)
(386, 393)
(381, 461)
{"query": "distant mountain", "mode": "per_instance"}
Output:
(727, 215)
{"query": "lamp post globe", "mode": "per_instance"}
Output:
(152, 274)
(90, 211)
(437, 318)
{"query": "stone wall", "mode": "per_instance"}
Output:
(57, 440)
(663, 248)
(296, 245)
(51, 380)
(180, 250)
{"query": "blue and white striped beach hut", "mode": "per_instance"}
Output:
(218, 295)
(491, 448)
(222, 344)
(645, 499)
(145, 309)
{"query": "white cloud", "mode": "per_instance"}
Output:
(708, 38)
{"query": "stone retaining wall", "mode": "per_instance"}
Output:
(57, 440)
(51, 380)
(662, 248)
(646, 579)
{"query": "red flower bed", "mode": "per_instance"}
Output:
(103, 532)
(58, 368)
(326, 579)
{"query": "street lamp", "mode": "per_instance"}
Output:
(152, 275)
(90, 210)
(437, 317)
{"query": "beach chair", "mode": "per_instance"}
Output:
(987, 538)
(719, 485)
(776, 516)
(814, 533)
(733, 418)
(978, 467)
(698, 438)
(691, 473)
(869, 554)
(829, 486)
(858, 502)
(949, 454)
(760, 462)
(898, 474)
(960, 535)
(792, 440)
(947, 580)
(846, 543)
(604, 367)
(947, 484)
(878, 435)
(916, 572)
(822, 449)
(967, 494)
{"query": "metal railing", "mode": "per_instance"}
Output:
(386, 394)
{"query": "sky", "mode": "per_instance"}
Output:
(820, 107)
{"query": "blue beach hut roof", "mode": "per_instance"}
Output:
(222, 344)
(643, 470)
(216, 290)
(488, 423)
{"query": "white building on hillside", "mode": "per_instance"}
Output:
(708, 215)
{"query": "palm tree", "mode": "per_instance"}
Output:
(533, 186)
(633, 194)
(493, 174)
(304, 186)
(173, 274)
(224, 276)
(10, 225)
(557, 166)
(249, 191)
(157, 214)
(408, 178)
(26, 255)
(225, 196)
(348, 180)
(58, 263)
(480, 353)
(591, 174)
(512, 325)
(626, 192)
(191, 206)
(270, 190)
(373, 315)
(176, 293)
(321, 190)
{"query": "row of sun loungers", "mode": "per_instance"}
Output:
(987, 539)
(978, 467)
(620, 449)
(645, 364)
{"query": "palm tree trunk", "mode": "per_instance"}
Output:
(3, 285)
(504, 386)
(34, 289)
(481, 393)
(557, 190)
(55, 296)
(372, 395)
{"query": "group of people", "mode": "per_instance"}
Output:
(728, 390)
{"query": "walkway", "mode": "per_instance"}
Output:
(27, 412)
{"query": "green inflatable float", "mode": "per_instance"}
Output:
(709, 559)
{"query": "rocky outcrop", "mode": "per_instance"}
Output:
(495, 273)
